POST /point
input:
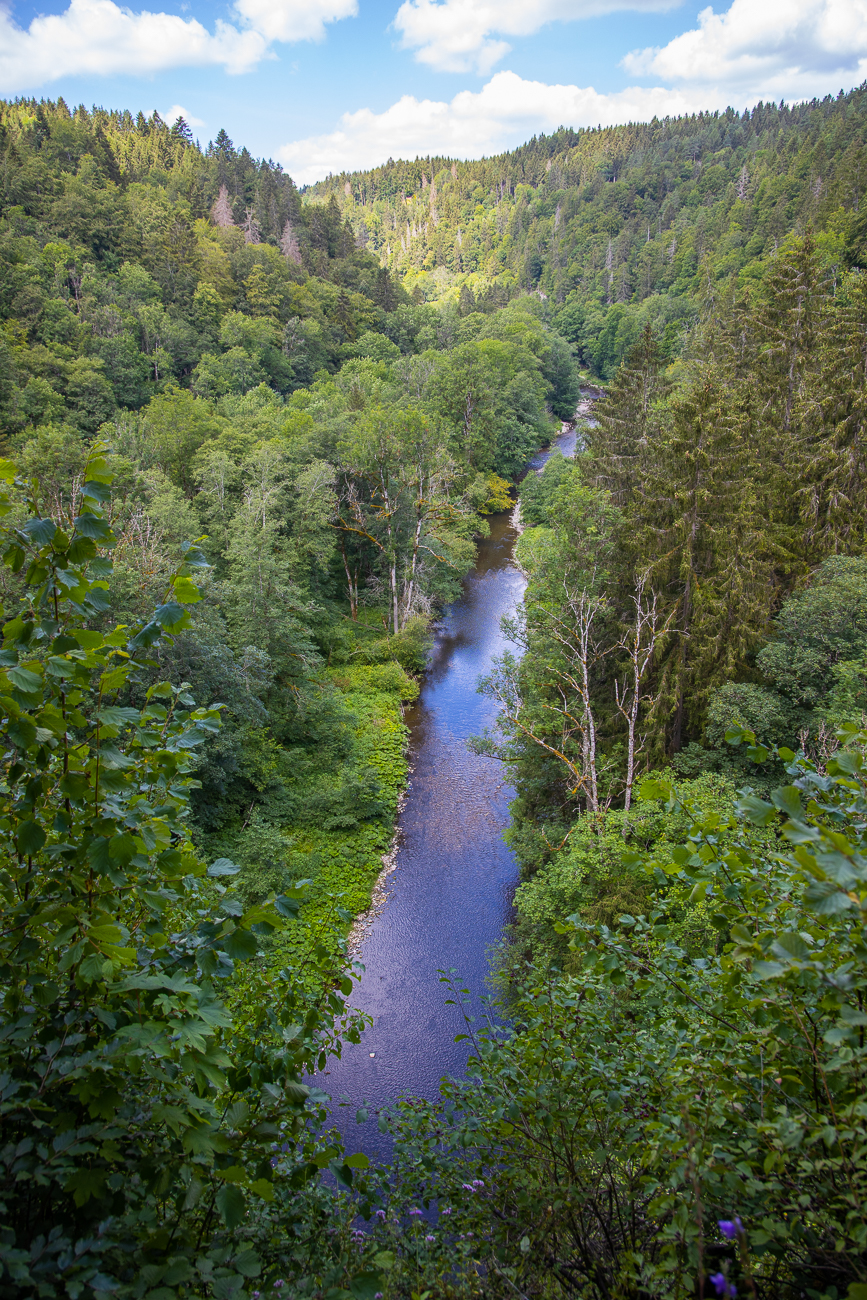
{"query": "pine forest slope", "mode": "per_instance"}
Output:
(614, 224)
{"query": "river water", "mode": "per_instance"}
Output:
(450, 894)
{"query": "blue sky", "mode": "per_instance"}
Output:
(324, 85)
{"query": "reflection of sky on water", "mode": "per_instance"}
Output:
(451, 890)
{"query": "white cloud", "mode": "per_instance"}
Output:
(499, 116)
(103, 38)
(172, 114)
(294, 20)
(460, 35)
(777, 48)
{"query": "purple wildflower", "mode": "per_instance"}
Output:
(477, 1182)
(447, 1211)
(722, 1285)
(429, 1237)
(415, 1212)
(468, 1187)
(380, 1214)
(731, 1228)
(279, 1283)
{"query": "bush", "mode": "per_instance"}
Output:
(664, 1124)
(139, 1116)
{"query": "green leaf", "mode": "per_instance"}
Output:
(857, 1291)
(95, 491)
(44, 994)
(358, 1161)
(788, 800)
(791, 945)
(169, 615)
(14, 557)
(93, 526)
(122, 848)
(825, 899)
(30, 838)
(97, 852)
(364, 1286)
(186, 591)
(97, 599)
(146, 636)
(230, 1203)
(240, 945)
(40, 531)
(27, 682)
(223, 867)
(756, 810)
(115, 716)
(248, 1263)
(650, 789)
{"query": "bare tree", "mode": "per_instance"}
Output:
(640, 644)
(571, 709)
(289, 245)
(251, 228)
(221, 212)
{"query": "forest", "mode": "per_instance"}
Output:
(251, 438)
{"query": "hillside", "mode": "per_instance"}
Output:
(614, 224)
(251, 439)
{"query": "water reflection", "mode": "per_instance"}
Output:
(452, 886)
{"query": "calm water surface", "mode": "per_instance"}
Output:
(451, 890)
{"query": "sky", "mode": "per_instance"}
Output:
(331, 85)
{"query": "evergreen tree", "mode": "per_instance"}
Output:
(628, 417)
(696, 528)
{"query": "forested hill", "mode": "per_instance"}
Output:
(613, 224)
(246, 458)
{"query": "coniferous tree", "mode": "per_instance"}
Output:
(695, 528)
(627, 417)
(833, 494)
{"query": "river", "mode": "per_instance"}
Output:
(450, 893)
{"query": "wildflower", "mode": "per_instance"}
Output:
(731, 1228)
(430, 1237)
(468, 1187)
(279, 1283)
(477, 1182)
(448, 1210)
(415, 1212)
(380, 1214)
(722, 1285)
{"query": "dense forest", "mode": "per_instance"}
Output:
(251, 438)
(613, 225)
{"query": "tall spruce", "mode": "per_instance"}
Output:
(833, 451)
(627, 417)
(694, 527)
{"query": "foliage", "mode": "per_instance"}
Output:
(658, 1120)
(617, 228)
(139, 1117)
